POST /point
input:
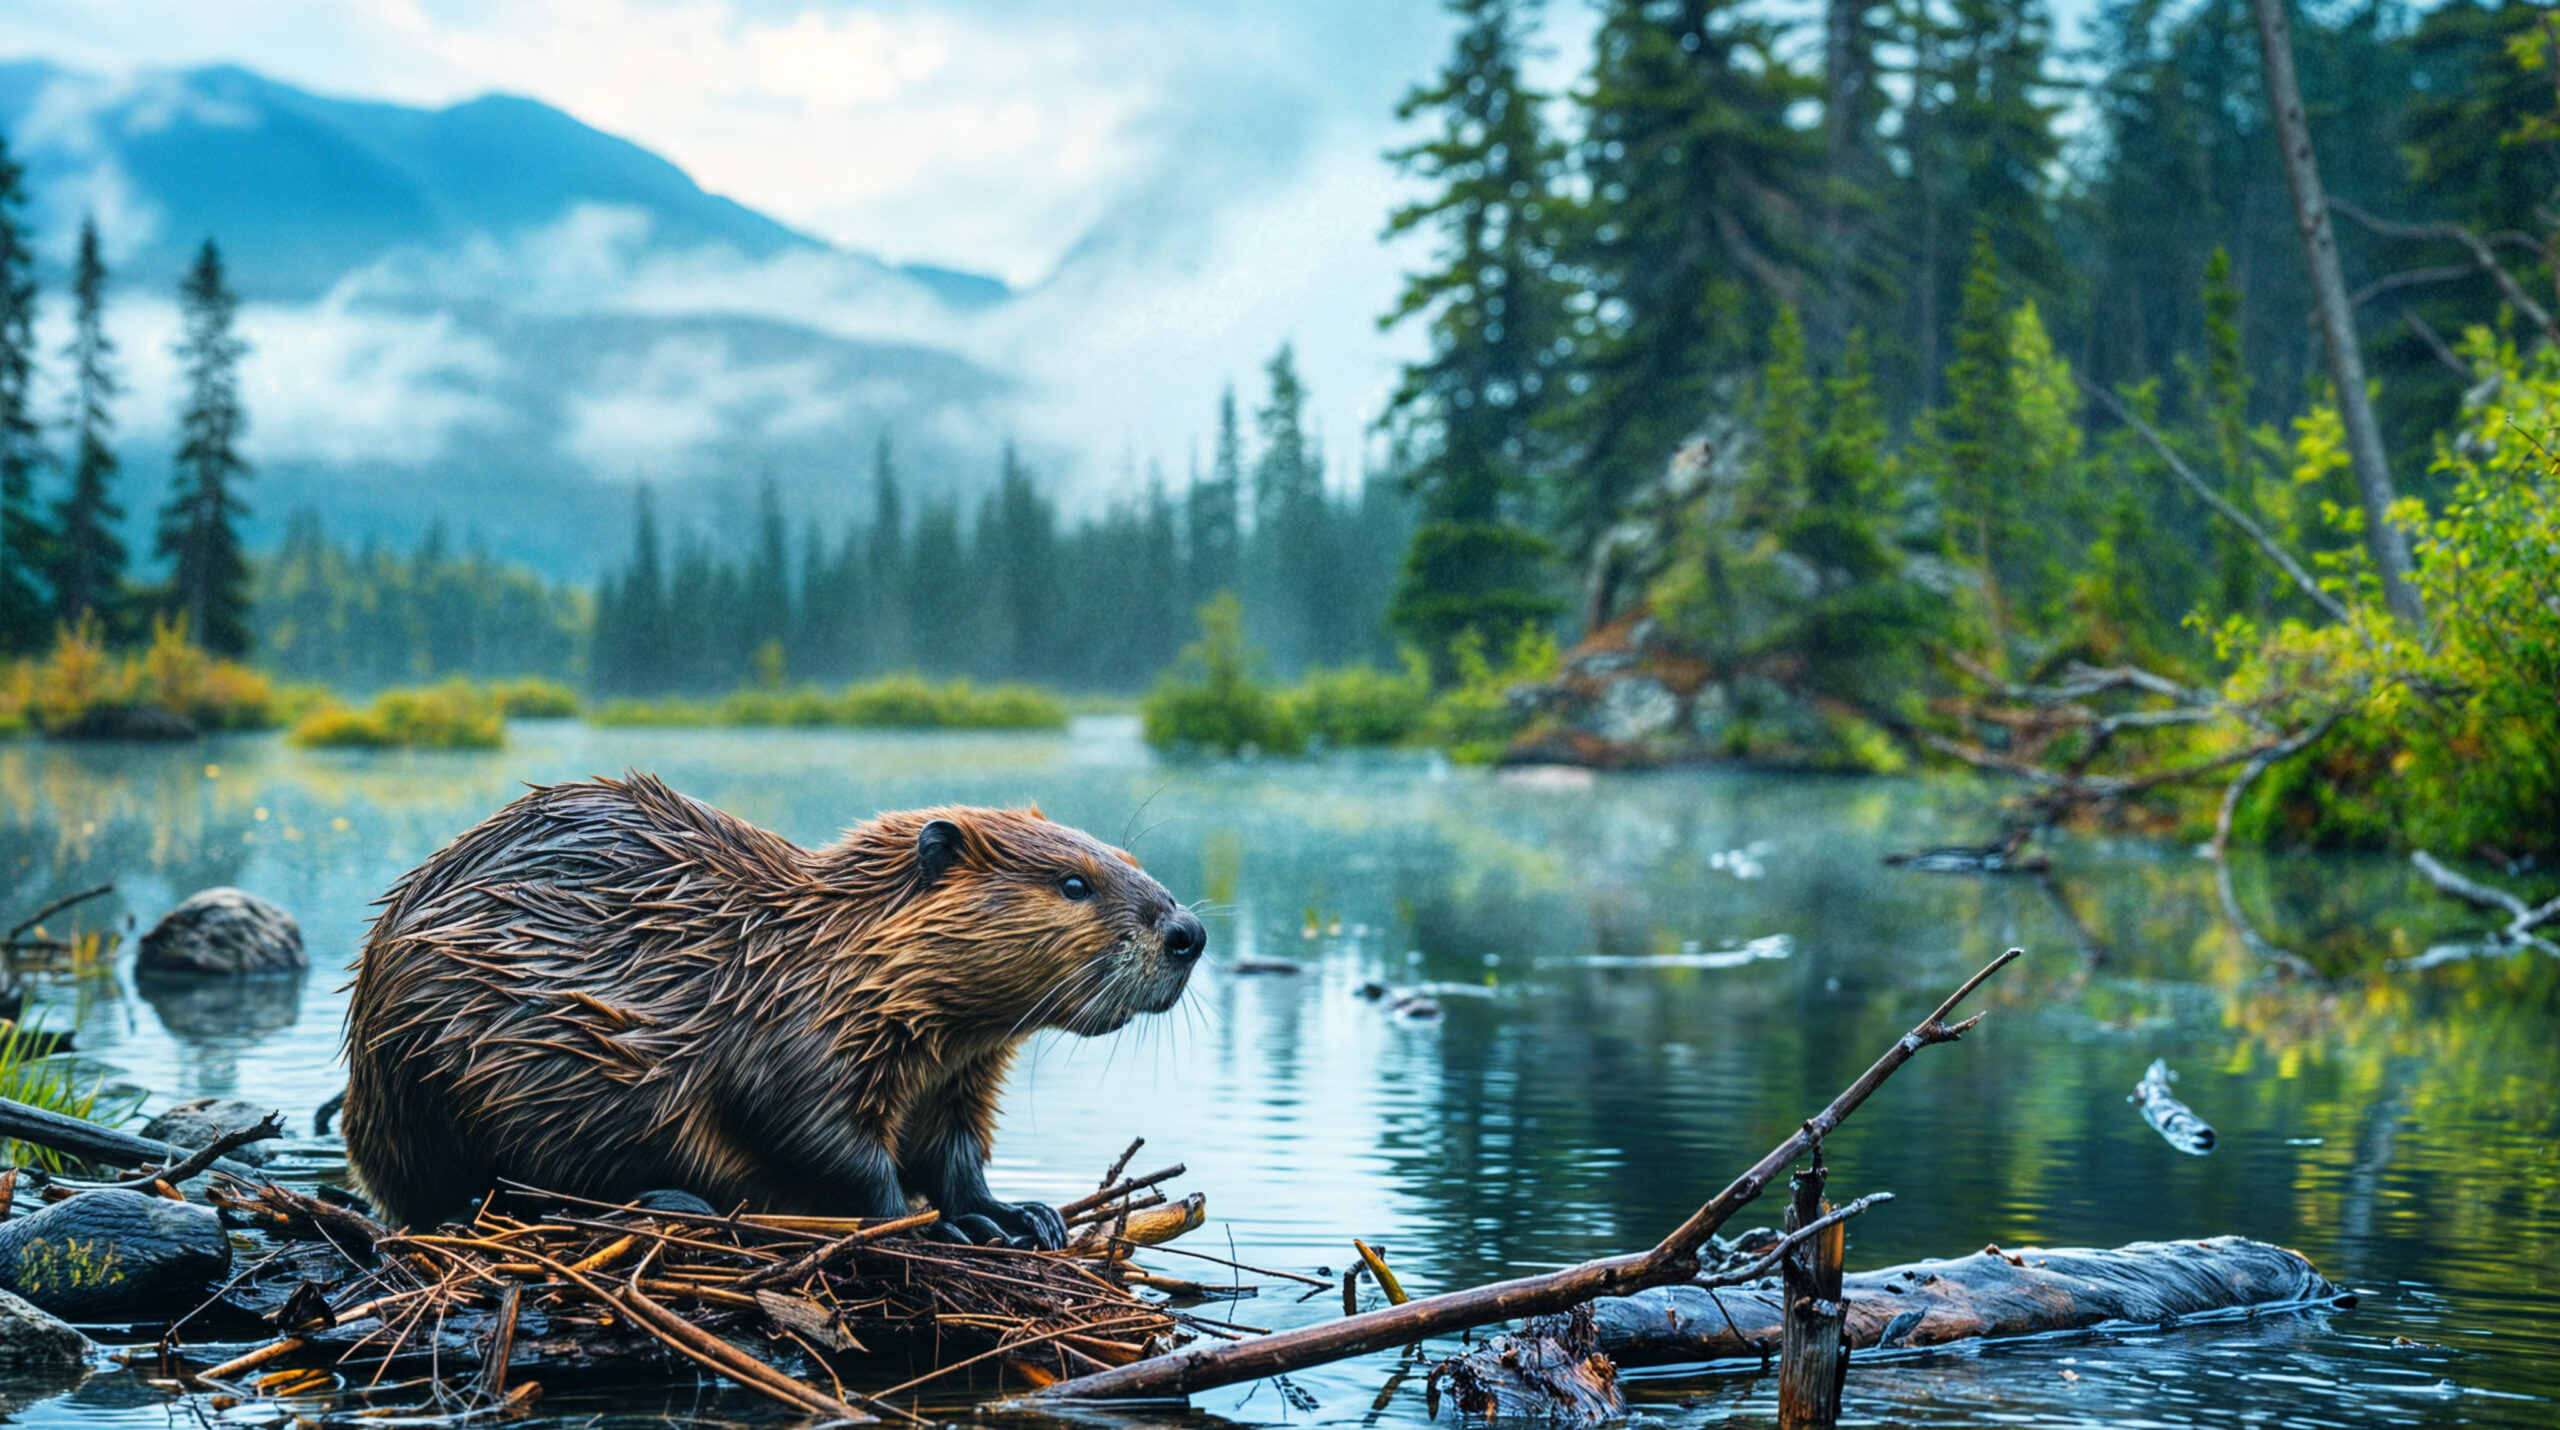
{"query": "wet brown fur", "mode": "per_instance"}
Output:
(609, 988)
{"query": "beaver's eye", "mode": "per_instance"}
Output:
(1076, 887)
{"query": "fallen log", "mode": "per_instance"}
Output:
(1992, 1293)
(1673, 1259)
(93, 1143)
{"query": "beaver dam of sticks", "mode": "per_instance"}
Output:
(455, 1322)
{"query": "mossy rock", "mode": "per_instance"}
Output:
(114, 1256)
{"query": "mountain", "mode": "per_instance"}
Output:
(494, 314)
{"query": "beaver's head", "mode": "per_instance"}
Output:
(1012, 918)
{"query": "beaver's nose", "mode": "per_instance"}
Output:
(1183, 935)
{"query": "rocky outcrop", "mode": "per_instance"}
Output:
(222, 931)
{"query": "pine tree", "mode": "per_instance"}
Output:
(88, 573)
(1978, 142)
(1700, 188)
(1977, 432)
(1495, 310)
(765, 607)
(1849, 470)
(25, 547)
(1017, 554)
(1289, 572)
(2222, 399)
(940, 594)
(885, 604)
(1212, 513)
(1785, 425)
(199, 531)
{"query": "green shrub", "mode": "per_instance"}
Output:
(1360, 705)
(1474, 720)
(897, 702)
(80, 675)
(533, 698)
(1211, 701)
(456, 715)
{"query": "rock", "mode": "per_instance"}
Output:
(222, 931)
(125, 722)
(1635, 707)
(115, 1255)
(197, 1123)
(35, 1343)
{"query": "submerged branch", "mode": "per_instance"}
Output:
(1673, 1259)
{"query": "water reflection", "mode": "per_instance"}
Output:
(1645, 983)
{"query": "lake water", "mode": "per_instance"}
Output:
(1648, 980)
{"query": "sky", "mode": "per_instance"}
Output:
(1182, 187)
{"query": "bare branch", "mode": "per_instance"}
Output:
(2257, 535)
(2482, 257)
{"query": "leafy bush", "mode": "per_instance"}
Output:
(456, 715)
(905, 702)
(1473, 720)
(52, 1081)
(1211, 700)
(2454, 737)
(81, 675)
(533, 698)
(1360, 705)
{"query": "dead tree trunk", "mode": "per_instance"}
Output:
(1813, 1355)
(2337, 319)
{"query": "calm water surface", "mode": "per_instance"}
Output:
(1648, 980)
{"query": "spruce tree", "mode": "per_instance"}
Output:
(199, 531)
(2223, 401)
(1213, 532)
(1785, 425)
(885, 603)
(1693, 231)
(1017, 554)
(1289, 571)
(25, 548)
(1495, 309)
(1976, 435)
(89, 557)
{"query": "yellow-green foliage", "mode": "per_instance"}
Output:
(533, 698)
(53, 1082)
(897, 702)
(1473, 719)
(81, 675)
(1211, 701)
(2455, 738)
(1360, 705)
(456, 715)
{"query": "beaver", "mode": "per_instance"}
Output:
(609, 988)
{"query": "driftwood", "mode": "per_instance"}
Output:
(1989, 1294)
(93, 1143)
(2522, 920)
(1673, 1259)
(1552, 1370)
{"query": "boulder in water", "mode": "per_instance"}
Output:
(35, 1344)
(114, 1255)
(197, 1123)
(223, 930)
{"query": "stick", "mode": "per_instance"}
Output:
(2257, 534)
(57, 906)
(1673, 1259)
(272, 1125)
(93, 1143)
(794, 1270)
(1120, 1189)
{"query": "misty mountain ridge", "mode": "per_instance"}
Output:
(496, 315)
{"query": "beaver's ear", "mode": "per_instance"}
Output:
(937, 849)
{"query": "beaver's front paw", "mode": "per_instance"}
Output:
(1034, 1226)
(1028, 1226)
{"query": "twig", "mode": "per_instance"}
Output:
(2481, 257)
(1673, 1259)
(93, 1143)
(2257, 534)
(57, 906)
(272, 1125)
(1117, 1190)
